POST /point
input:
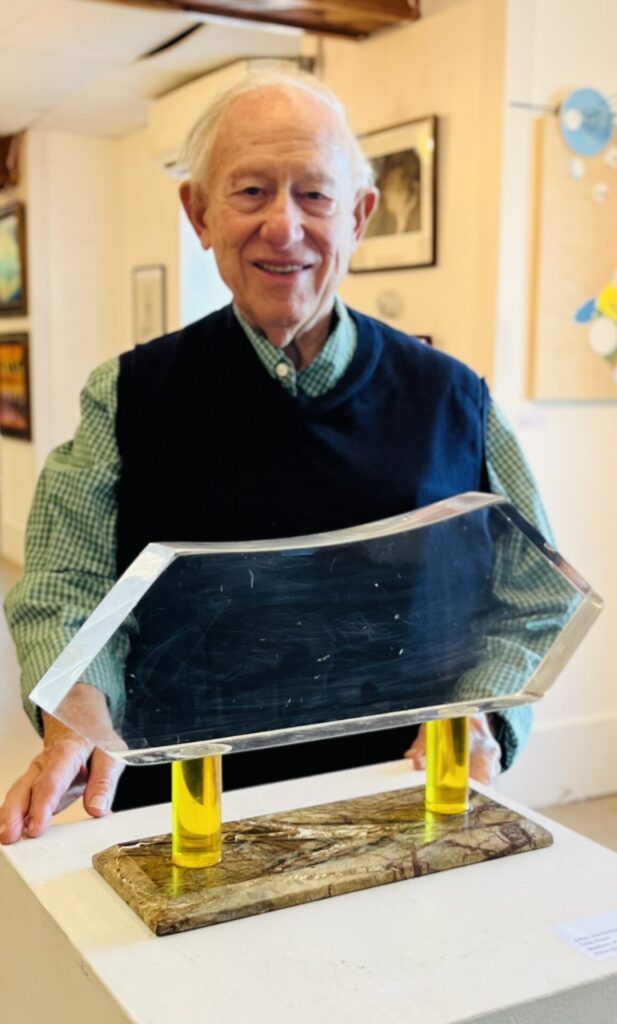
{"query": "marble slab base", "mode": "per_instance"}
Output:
(284, 859)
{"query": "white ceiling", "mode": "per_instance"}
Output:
(78, 65)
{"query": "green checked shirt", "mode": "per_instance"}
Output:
(71, 535)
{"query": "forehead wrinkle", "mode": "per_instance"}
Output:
(282, 127)
(304, 173)
(273, 101)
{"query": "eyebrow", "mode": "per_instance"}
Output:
(310, 176)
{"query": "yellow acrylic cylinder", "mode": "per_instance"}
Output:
(447, 766)
(196, 809)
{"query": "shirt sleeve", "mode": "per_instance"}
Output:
(510, 476)
(71, 545)
(509, 473)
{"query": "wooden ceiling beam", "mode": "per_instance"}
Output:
(351, 18)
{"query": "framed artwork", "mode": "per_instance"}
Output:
(403, 231)
(13, 271)
(14, 386)
(149, 303)
(573, 264)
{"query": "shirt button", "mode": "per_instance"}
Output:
(282, 370)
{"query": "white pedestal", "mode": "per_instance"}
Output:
(444, 949)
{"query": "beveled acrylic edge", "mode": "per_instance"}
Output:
(310, 732)
(438, 512)
(131, 586)
(156, 557)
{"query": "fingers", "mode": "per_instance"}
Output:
(31, 801)
(14, 810)
(417, 751)
(59, 763)
(74, 791)
(484, 751)
(66, 768)
(102, 782)
(56, 777)
(485, 767)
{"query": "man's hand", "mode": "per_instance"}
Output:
(484, 750)
(66, 767)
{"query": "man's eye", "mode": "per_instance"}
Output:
(318, 202)
(251, 190)
(314, 196)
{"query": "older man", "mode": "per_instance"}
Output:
(281, 415)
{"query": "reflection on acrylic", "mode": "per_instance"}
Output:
(456, 607)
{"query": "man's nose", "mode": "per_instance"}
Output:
(282, 225)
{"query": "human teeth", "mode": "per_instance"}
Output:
(288, 268)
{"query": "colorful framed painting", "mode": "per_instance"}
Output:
(402, 233)
(13, 271)
(14, 387)
(149, 303)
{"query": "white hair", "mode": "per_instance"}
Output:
(198, 145)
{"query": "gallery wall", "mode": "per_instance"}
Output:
(17, 462)
(71, 189)
(399, 76)
(554, 47)
(99, 208)
(451, 65)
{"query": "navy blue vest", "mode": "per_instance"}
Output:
(213, 448)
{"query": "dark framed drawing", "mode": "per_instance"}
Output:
(149, 303)
(14, 387)
(402, 233)
(13, 270)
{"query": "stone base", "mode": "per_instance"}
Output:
(281, 860)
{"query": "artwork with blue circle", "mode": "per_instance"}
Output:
(586, 122)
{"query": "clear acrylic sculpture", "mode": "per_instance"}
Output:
(203, 649)
(456, 608)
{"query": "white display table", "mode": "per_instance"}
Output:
(469, 944)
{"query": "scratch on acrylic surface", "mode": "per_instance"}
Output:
(252, 575)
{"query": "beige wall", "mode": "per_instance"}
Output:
(98, 208)
(461, 64)
(74, 209)
(17, 458)
(150, 230)
(450, 65)
(555, 46)
(398, 76)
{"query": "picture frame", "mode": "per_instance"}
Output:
(13, 268)
(15, 418)
(149, 302)
(572, 258)
(402, 233)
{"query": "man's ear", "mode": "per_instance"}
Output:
(195, 203)
(365, 207)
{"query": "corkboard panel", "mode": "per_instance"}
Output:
(574, 254)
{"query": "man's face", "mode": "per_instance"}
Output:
(280, 210)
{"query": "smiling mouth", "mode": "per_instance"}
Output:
(281, 268)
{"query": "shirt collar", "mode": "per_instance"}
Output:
(327, 368)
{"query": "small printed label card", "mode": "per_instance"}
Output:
(596, 936)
